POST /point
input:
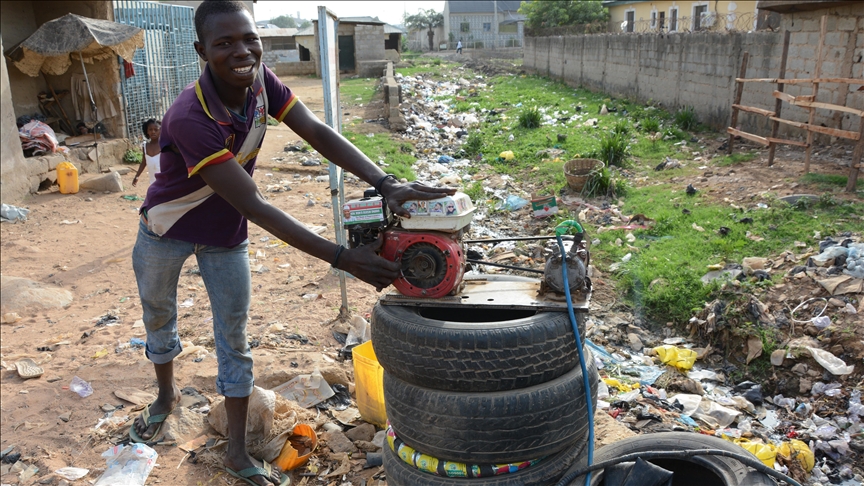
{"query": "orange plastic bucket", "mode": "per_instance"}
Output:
(303, 437)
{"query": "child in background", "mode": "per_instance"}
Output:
(150, 149)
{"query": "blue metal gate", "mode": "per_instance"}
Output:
(166, 65)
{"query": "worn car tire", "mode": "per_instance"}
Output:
(545, 473)
(494, 427)
(471, 350)
(702, 470)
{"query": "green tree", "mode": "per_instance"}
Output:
(557, 13)
(284, 22)
(425, 19)
(304, 24)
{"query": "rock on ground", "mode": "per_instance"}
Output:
(109, 182)
(18, 294)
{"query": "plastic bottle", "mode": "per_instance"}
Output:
(67, 178)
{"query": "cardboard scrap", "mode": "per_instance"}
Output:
(842, 284)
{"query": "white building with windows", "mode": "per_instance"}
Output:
(483, 24)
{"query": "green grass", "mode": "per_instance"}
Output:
(686, 118)
(614, 149)
(358, 90)
(511, 96)
(735, 158)
(828, 181)
(651, 125)
(662, 278)
(426, 66)
(530, 117)
(381, 147)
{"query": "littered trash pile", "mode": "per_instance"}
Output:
(656, 385)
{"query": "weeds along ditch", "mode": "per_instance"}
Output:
(530, 115)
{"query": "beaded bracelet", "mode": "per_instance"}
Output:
(378, 184)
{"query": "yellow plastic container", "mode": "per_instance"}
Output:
(369, 384)
(67, 178)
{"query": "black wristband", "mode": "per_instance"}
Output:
(378, 184)
(338, 253)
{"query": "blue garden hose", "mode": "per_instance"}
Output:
(560, 230)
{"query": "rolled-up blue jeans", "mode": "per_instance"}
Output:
(157, 262)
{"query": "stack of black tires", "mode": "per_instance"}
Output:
(481, 387)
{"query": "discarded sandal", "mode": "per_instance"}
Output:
(27, 368)
(149, 420)
(264, 470)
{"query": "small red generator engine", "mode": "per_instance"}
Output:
(428, 246)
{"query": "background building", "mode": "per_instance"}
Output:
(483, 24)
(679, 16)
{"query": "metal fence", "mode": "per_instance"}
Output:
(166, 65)
(710, 22)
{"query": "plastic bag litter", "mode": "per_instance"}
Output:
(764, 452)
(681, 358)
(715, 414)
(127, 465)
(615, 383)
(800, 451)
(700, 375)
(856, 410)
(71, 473)
(782, 402)
(830, 362)
(629, 396)
(835, 449)
(81, 387)
(306, 390)
(259, 419)
(507, 155)
(821, 322)
(602, 390)
(513, 203)
(829, 389)
(13, 213)
(689, 402)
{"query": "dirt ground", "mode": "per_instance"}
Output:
(83, 243)
(91, 257)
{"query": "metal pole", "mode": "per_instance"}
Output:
(328, 48)
(93, 110)
(494, 24)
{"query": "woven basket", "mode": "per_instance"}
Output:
(578, 171)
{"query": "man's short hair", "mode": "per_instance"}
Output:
(209, 8)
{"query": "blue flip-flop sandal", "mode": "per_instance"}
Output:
(265, 470)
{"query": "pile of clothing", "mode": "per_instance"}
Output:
(39, 137)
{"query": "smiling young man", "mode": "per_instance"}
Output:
(200, 205)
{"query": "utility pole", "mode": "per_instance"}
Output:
(495, 24)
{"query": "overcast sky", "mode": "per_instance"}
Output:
(387, 11)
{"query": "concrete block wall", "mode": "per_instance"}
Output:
(369, 42)
(280, 55)
(699, 69)
(298, 68)
(392, 100)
